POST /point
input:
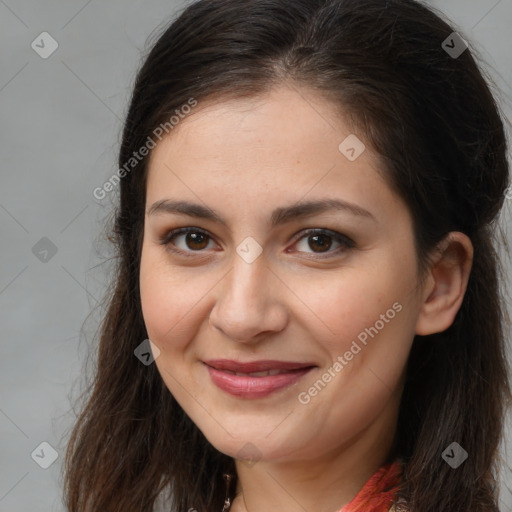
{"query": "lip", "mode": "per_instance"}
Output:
(247, 386)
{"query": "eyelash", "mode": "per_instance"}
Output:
(344, 241)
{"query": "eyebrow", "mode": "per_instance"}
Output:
(279, 216)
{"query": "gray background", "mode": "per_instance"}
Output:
(60, 127)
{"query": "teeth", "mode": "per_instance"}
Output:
(261, 374)
(266, 373)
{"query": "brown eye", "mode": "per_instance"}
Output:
(186, 240)
(196, 241)
(321, 241)
(189, 240)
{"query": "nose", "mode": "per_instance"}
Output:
(249, 305)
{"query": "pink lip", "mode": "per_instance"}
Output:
(246, 386)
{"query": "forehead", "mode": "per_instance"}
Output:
(281, 146)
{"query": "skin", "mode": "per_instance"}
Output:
(295, 302)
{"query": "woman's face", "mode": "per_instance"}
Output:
(325, 317)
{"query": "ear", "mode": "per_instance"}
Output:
(446, 284)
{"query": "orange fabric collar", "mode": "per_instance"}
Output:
(379, 492)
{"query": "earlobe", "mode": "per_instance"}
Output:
(446, 284)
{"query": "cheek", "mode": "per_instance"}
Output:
(345, 308)
(165, 304)
(368, 319)
(174, 300)
(365, 358)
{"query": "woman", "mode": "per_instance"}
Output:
(309, 191)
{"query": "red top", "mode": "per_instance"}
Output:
(379, 492)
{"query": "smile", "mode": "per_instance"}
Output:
(255, 379)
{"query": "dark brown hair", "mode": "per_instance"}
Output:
(434, 122)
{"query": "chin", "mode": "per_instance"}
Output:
(251, 446)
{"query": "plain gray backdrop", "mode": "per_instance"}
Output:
(60, 125)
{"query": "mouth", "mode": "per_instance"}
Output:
(255, 379)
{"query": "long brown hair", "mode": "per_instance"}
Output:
(432, 118)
